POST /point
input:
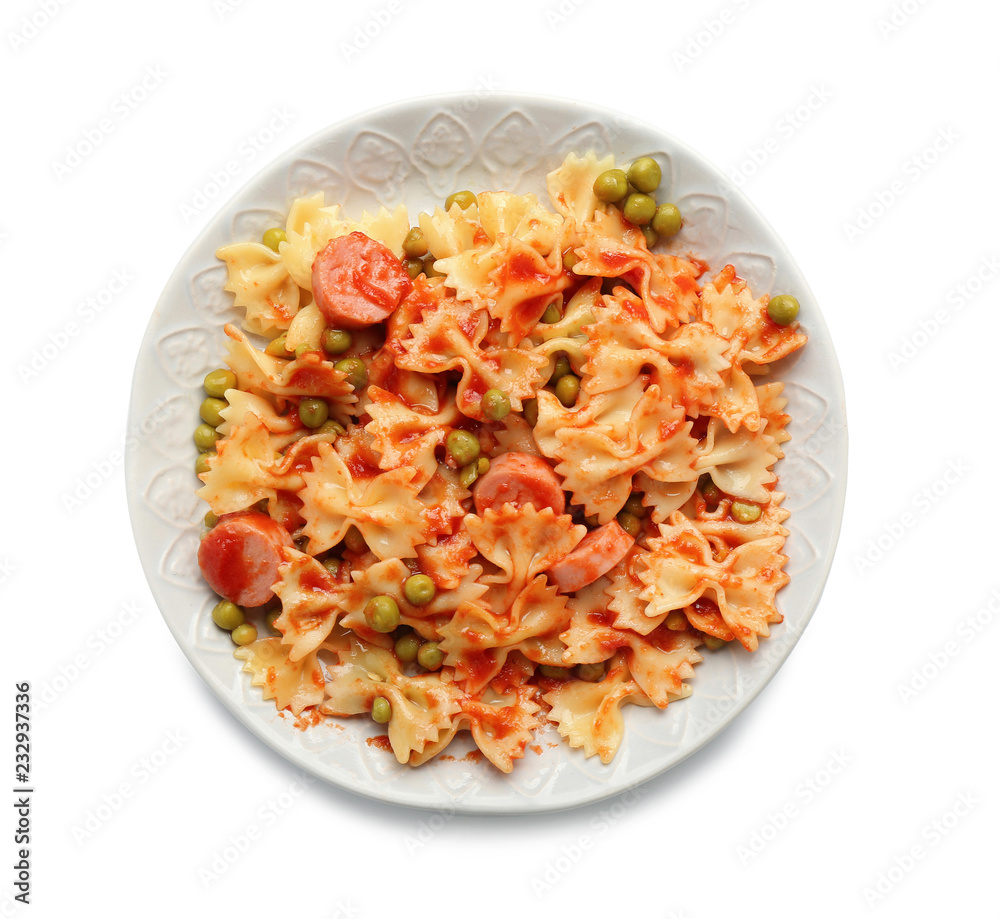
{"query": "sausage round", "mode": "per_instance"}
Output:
(596, 554)
(357, 281)
(239, 557)
(519, 479)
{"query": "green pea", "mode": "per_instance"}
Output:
(332, 565)
(783, 309)
(271, 618)
(592, 673)
(530, 411)
(277, 347)
(218, 381)
(463, 447)
(553, 673)
(464, 199)
(676, 621)
(382, 613)
(414, 267)
(592, 520)
(414, 243)
(634, 505)
(711, 492)
(244, 634)
(561, 369)
(205, 437)
(630, 523)
(468, 475)
(227, 615)
(567, 389)
(201, 464)
(639, 209)
(482, 465)
(496, 404)
(304, 348)
(551, 314)
(211, 411)
(210, 520)
(611, 185)
(274, 237)
(407, 647)
(419, 589)
(335, 341)
(313, 412)
(331, 427)
(714, 643)
(570, 258)
(429, 268)
(354, 541)
(381, 710)
(744, 512)
(430, 656)
(650, 235)
(355, 370)
(645, 174)
(667, 220)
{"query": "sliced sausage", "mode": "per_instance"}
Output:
(240, 556)
(519, 479)
(596, 554)
(357, 281)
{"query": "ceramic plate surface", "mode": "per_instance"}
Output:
(419, 152)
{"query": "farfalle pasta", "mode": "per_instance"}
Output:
(502, 465)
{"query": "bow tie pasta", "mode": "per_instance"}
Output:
(498, 466)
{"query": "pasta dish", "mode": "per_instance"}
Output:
(508, 465)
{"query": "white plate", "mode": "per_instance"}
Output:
(419, 152)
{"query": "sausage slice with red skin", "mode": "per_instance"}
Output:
(357, 281)
(240, 556)
(519, 479)
(596, 554)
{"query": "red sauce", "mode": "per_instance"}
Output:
(615, 261)
(360, 467)
(478, 665)
(318, 380)
(604, 618)
(311, 579)
(380, 742)
(522, 267)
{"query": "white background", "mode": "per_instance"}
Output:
(863, 778)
